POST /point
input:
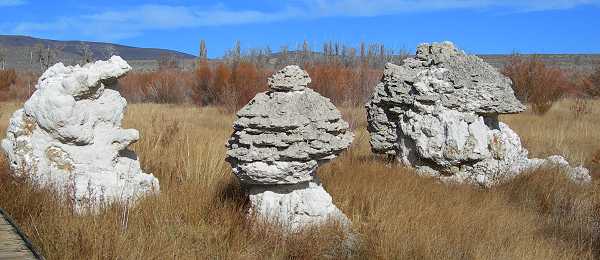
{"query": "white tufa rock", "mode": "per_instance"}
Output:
(279, 140)
(439, 113)
(294, 205)
(69, 135)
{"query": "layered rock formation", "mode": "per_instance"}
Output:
(279, 140)
(69, 135)
(439, 113)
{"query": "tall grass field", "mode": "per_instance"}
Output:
(200, 211)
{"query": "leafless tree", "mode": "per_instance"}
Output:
(49, 57)
(59, 52)
(362, 52)
(327, 49)
(167, 61)
(283, 56)
(85, 52)
(45, 55)
(30, 55)
(109, 51)
(38, 53)
(3, 54)
(349, 55)
(235, 54)
(203, 53)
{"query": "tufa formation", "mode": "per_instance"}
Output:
(69, 135)
(279, 139)
(438, 112)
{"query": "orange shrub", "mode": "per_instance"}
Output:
(16, 85)
(221, 85)
(593, 87)
(343, 84)
(203, 94)
(7, 79)
(164, 86)
(535, 83)
(332, 80)
(230, 85)
(247, 80)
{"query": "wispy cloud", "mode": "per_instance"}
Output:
(114, 25)
(119, 24)
(6, 3)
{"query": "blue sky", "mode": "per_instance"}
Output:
(478, 26)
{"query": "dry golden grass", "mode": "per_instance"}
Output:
(396, 215)
(561, 131)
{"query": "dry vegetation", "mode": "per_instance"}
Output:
(540, 85)
(230, 85)
(16, 85)
(396, 215)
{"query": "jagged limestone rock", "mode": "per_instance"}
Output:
(279, 139)
(69, 135)
(439, 113)
(290, 78)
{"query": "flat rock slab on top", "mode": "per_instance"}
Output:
(440, 72)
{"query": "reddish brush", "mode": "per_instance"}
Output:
(535, 83)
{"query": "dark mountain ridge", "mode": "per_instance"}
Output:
(98, 49)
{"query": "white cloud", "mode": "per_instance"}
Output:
(5, 3)
(114, 25)
(119, 24)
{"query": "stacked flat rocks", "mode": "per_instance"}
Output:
(69, 135)
(439, 113)
(280, 138)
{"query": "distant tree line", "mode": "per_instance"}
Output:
(346, 74)
(343, 73)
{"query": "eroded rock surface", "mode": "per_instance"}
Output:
(69, 135)
(439, 113)
(279, 139)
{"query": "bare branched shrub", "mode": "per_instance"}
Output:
(535, 83)
(593, 86)
(344, 84)
(7, 79)
(16, 85)
(229, 85)
(167, 62)
(86, 53)
(222, 86)
(165, 86)
(202, 93)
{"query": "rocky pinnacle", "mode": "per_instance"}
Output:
(279, 139)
